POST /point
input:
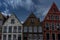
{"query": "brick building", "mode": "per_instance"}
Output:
(51, 24)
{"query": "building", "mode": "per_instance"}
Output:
(2, 20)
(51, 24)
(12, 29)
(32, 29)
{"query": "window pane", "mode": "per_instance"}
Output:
(9, 37)
(35, 36)
(58, 36)
(24, 37)
(47, 26)
(52, 17)
(53, 36)
(30, 29)
(58, 26)
(30, 37)
(5, 29)
(35, 29)
(19, 29)
(19, 37)
(57, 17)
(10, 29)
(40, 37)
(25, 29)
(12, 21)
(47, 35)
(52, 25)
(40, 29)
(14, 37)
(4, 37)
(15, 29)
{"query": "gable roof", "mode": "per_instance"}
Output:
(2, 17)
(50, 10)
(52, 7)
(11, 16)
(32, 15)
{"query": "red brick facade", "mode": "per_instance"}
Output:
(51, 24)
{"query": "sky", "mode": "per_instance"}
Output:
(23, 8)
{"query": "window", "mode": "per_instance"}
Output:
(30, 37)
(25, 37)
(12, 21)
(47, 26)
(14, 37)
(52, 25)
(4, 37)
(53, 36)
(35, 29)
(9, 37)
(58, 36)
(39, 29)
(5, 29)
(54, 10)
(40, 37)
(47, 36)
(15, 29)
(10, 29)
(52, 17)
(57, 17)
(25, 29)
(35, 36)
(32, 20)
(58, 26)
(30, 29)
(19, 29)
(19, 37)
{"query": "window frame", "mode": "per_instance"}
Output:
(30, 29)
(35, 29)
(12, 21)
(5, 29)
(25, 29)
(15, 29)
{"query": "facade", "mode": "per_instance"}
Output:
(51, 24)
(2, 20)
(12, 29)
(32, 29)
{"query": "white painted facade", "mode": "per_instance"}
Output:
(12, 31)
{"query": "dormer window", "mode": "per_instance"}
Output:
(12, 21)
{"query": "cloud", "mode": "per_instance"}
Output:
(6, 12)
(16, 3)
(13, 5)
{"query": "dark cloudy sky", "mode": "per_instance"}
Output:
(23, 8)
